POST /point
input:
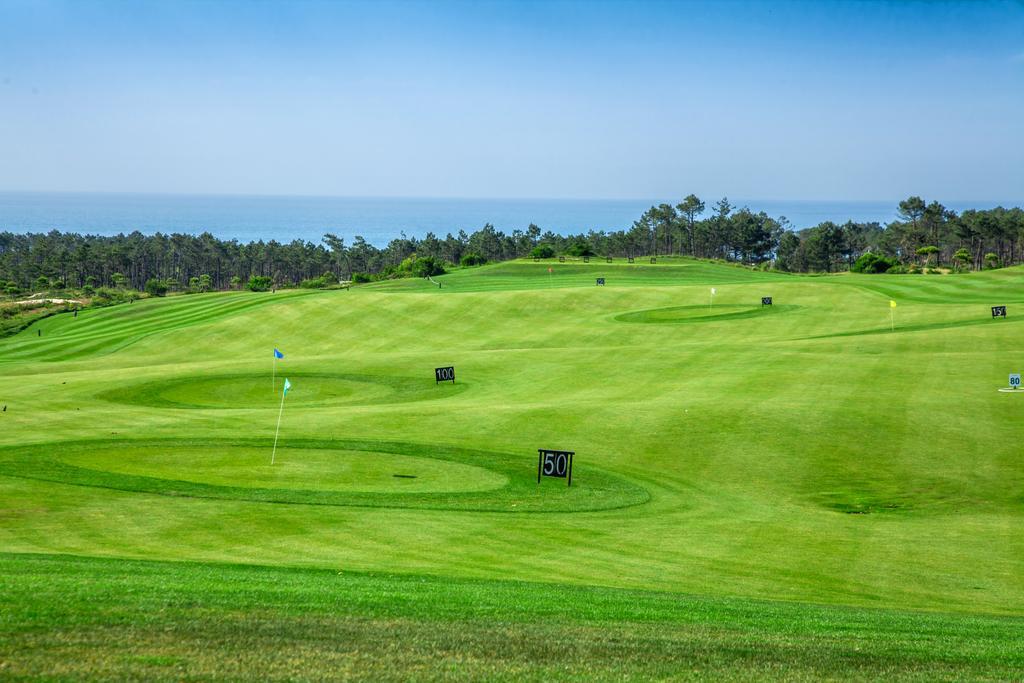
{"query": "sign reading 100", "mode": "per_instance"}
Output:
(444, 374)
(552, 463)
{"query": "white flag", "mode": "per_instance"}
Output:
(712, 290)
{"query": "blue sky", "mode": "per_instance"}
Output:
(598, 100)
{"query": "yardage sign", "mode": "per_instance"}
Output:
(630, 259)
(608, 259)
(1015, 381)
(600, 281)
(561, 259)
(766, 301)
(586, 259)
(654, 260)
(999, 311)
(554, 464)
(444, 374)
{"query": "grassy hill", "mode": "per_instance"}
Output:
(796, 491)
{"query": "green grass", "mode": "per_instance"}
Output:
(788, 492)
(101, 618)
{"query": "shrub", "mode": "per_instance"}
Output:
(154, 287)
(873, 263)
(472, 259)
(897, 270)
(42, 282)
(580, 248)
(542, 251)
(420, 266)
(992, 260)
(260, 283)
(236, 282)
(88, 290)
(361, 277)
(934, 271)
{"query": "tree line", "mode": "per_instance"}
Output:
(926, 234)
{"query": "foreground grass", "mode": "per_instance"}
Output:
(101, 618)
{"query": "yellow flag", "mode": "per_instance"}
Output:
(892, 304)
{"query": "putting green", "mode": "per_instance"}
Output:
(337, 473)
(256, 391)
(702, 313)
(293, 468)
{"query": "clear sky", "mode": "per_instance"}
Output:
(807, 100)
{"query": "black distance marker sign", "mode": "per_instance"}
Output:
(561, 259)
(600, 281)
(999, 311)
(654, 260)
(554, 464)
(608, 259)
(444, 374)
(630, 259)
(586, 259)
(766, 301)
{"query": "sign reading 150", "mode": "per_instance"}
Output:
(551, 463)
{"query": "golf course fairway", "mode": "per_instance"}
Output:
(824, 488)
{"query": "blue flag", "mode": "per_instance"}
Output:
(278, 354)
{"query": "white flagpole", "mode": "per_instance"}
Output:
(273, 375)
(892, 319)
(278, 431)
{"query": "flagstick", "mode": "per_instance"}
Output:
(273, 375)
(892, 319)
(278, 431)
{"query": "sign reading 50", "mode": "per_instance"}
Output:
(552, 463)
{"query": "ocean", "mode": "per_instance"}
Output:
(378, 220)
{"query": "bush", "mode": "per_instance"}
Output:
(154, 287)
(88, 290)
(580, 248)
(42, 282)
(992, 260)
(934, 271)
(873, 263)
(260, 283)
(419, 266)
(897, 270)
(472, 259)
(361, 277)
(325, 280)
(542, 251)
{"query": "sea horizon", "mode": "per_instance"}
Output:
(378, 219)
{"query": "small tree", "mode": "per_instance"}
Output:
(236, 282)
(962, 257)
(260, 283)
(992, 260)
(205, 285)
(155, 287)
(193, 284)
(926, 253)
(542, 251)
(119, 280)
(42, 282)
